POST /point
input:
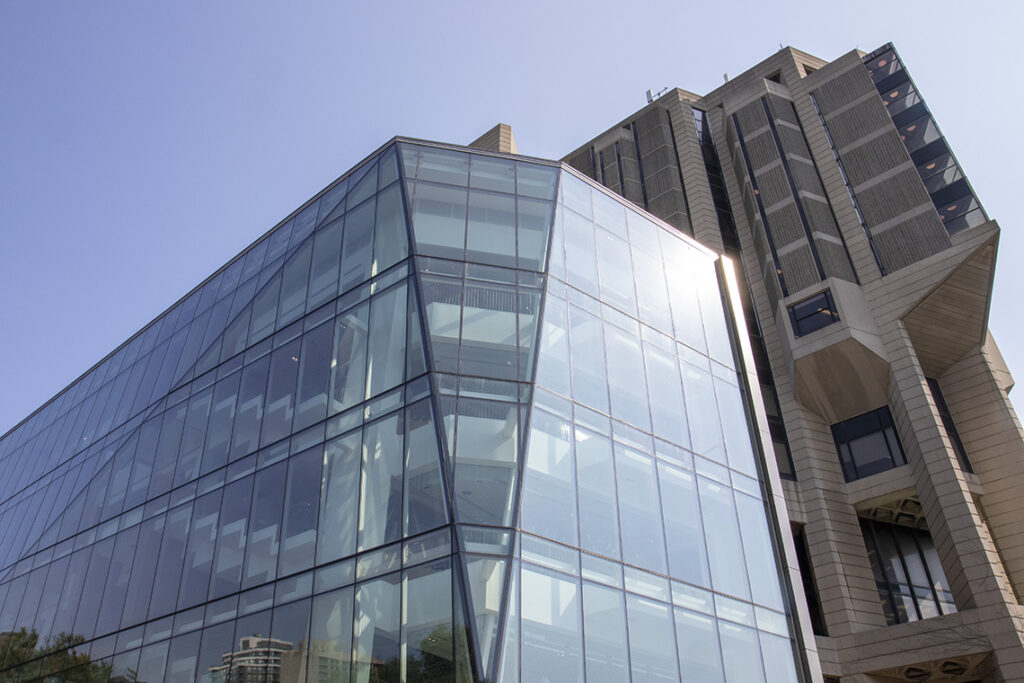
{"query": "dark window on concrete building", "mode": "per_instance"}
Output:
(813, 313)
(868, 444)
(947, 422)
(909, 576)
(810, 584)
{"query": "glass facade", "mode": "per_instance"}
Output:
(463, 417)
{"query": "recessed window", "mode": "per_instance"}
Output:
(803, 557)
(950, 426)
(775, 77)
(868, 444)
(909, 576)
(813, 313)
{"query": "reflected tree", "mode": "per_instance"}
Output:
(22, 658)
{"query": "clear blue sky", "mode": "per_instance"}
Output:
(143, 144)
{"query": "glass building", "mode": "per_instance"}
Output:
(464, 416)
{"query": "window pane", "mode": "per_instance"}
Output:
(552, 645)
(425, 504)
(298, 528)
(534, 220)
(699, 656)
(599, 523)
(439, 220)
(376, 640)
(651, 645)
(386, 363)
(284, 370)
(643, 542)
(604, 623)
(140, 585)
(553, 355)
(725, 552)
(380, 505)
(427, 623)
(348, 366)
(390, 238)
(485, 461)
(264, 526)
(231, 536)
(687, 558)
(549, 486)
(168, 568)
(222, 419)
(294, 282)
(195, 578)
(314, 375)
(489, 331)
(580, 253)
(326, 263)
(626, 377)
(339, 496)
(357, 246)
(491, 235)
(589, 382)
(250, 408)
(330, 651)
(442, 300)
(666, 392)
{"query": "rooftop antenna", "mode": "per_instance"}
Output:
(725, 77)
(651, 95)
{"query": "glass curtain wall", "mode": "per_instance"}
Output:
(462, 417)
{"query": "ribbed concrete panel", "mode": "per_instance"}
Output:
(910, 241)
(773, 185)
(799, 269)
(874, 157)
(843, 88)
(858, 121)
(786, 226)
(886, 200)
(835, 260)
(761, 149)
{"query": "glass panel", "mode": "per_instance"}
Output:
(339, 496)
(377, 637)
(604, 623)
(643, 542)
(725, 551)
(311, 392)
(195, 578)
(140, 585)
(486, 583)
(442, 299)
(264, 526)
(740, 652)
(330, 650)
(168, 568)
(485, 461)
(491, 233)
(250, 408)
(651, 645)
(684, 534)
(284, 370)
(534, 220)
(386, 362)
(626, 377)
(549, 486)
(326, 263)
(580, 253)
(289, 635)
(229, 553)
(380, 505)
(589, 381)
(616, 271)
(489, 331)
(778, 659)
(222, 419)
(551, 637)
(264, 310)
(391, 239)
(599, 524)
(216, 643)
(427, 643)
(294, 282)
(488, 173)
(443, 166)
(348, 366)
(439, 220)
(425, 504)
(699, 656)
(298, 527)
(357, 246)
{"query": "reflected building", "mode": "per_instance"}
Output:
(463, 416)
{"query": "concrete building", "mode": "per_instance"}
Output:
(868, 265)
